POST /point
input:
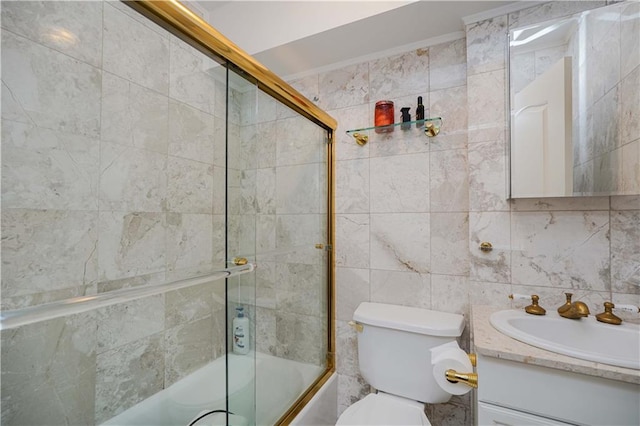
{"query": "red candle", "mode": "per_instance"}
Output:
(384, 116)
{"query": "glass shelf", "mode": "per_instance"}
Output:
(431, 128)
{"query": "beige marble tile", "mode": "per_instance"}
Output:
(625, 253)
(629, 38)
(351, 389)
(48, 169)
(266, 149)
(400, 242)
(299, 289)
(49, 372)
(133, 51)
(49, 89)
(629, 99)
(188, 347)
(266, 190)
(128, 322)
(134, 115)
(487, 177)
(74, 31)
(131, 244)
(350, 118)
(352, 240)
(352, 288)
(128, 375)
(344, 87)
(629, 202)
(352, 186)
(189, 242)
(399, 184)
(132, 179)
(561, 249)
(346, 348)
(189, 81)
(189, 186)
(191, 133)
(265, 233)
(448, 65)
(495, 265)
(451, 105)
(630, 165)
(450, 243)
(299, 189)
(44, 250)
(495, 295)
(449, 181)
(399, 75)
(487, 109)
(450, 293)
(401, 288)
(299, 141)
(300, 338)
(551, 10)
(266, 331)
(560, 203)
(486, 45)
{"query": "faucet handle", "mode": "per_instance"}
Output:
(608, 316)
(567, 305)
(533, 308)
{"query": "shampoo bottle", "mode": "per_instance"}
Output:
(240, 332)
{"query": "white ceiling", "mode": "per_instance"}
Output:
(297, 37)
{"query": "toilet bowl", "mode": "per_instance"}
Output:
(403, 353)
(383, 409)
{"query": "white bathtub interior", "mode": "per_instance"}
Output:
(278, 383)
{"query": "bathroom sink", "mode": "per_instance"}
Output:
(585, 338)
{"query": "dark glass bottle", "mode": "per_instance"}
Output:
(420, 113)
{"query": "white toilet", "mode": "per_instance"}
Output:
(399, 348)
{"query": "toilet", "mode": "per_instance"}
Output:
(403, 353)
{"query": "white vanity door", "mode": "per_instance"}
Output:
(493, 415)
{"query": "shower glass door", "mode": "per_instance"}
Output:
(277, 217)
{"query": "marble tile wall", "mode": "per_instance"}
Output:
(277, 214)
(402, 199)
(411, 213)
(112, 177)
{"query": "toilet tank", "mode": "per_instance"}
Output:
(394, 348)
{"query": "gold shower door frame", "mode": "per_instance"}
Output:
(183, 23)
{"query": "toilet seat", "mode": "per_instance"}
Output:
(384, 409)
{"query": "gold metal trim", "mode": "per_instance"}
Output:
(486, 246)
(319, 246)
(357, 326)
(182, 22)
(470, 379)
(431, 130)
(361, 138)
(239, 261)
(474, 359)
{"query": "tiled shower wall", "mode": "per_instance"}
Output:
(277, 213)
(411, 211)
(109, 180)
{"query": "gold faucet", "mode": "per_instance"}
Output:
(575, 310)
(608, 316)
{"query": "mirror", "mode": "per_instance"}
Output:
(575, 104)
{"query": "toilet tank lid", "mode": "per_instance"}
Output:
(405, 318)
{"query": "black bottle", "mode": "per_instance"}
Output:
(406, 118)
(420, 113)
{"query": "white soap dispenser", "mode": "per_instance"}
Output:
(240, 332)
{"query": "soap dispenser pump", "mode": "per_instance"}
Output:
(420, 113)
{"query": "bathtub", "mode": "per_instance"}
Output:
(278, 383)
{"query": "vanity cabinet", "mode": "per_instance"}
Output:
(518, 393)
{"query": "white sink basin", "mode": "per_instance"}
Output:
(585, 338)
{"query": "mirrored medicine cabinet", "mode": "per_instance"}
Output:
(575, 105)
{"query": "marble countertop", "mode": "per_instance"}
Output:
(490, 342)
